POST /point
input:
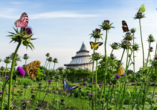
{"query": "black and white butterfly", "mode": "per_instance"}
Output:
(67, 87)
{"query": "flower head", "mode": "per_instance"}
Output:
(49, 80)
(68, 67)
(43, 72)
(87, 91)
(0, 92)
(100, 84)
(47, 54)
(21, 91)
(40, 83)
(7, 77)
(39, 105)
(118, 76)
(21, 71)
(62, 100)
(60, 68)
(26, 30)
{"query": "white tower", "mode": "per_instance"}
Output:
(81, 60)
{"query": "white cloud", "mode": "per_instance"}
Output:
(60, 14)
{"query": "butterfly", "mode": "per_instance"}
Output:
(142, 9)
(121, 70)
(31, 69)
(67, 87)
(124, 26)
(95, 45)
(23, 21)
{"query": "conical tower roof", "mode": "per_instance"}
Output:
(83, 48)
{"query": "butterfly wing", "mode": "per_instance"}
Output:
(124, 26)
(32, 69)
(121, 70)
(67, 87)
(142, 9)
(91, 44)
(23, 21)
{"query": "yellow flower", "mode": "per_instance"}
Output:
(121, 70)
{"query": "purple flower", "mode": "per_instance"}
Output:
(97, 30)
(60, 68)
(117, 75)
(100, 84)
(104, 107)
(124, 74)
(25, 54)
(7, 57)
(106, 21)
(5, 90)
(68, 68)
(39, 105)
(7, 77)
(55, 59)
(91, 94)
(116, 43)
(0, 92)
(49, 80)
(27, 29)
(87, 92)
(39, 83)
(119, 60)
(151, 47)
(156, 57)
(14, 107)
(32, 89)
(43, 72)
(21, 91)
(62, 100)
(21, 70)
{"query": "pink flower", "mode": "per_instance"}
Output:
(21, 70)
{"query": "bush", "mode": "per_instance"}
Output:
(22, 81)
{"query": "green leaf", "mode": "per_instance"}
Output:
(30, 47)
(31, 44)
(16, 30)
(33, 38)
(11, 41)
(142, 8)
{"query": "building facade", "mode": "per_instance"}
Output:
(81, 60)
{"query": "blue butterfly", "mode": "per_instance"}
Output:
(67, 87)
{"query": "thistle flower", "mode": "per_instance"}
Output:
(62, 100)
(151, 38)
(128, 36)
(100, 85)
(96, 56)
(125, 44)
(60, 68)
(156, 58)
(15, 107)
(68, 68)
(40, 83)
(7, 60)
(49, 59)
(55, 60)
(133, 30)
(2, 68)
(32, 89)
(39, 105)
(106, 25)
(114, 45)
(151, 49)
(23, 37)
(118, 76)
(0, 92)
(87, 91)
(96, 34)
(47, 54)
(25, 56)
(21, 91)
(91, 95)
(21, 71)
(135, 47)
(7, 77)
(43, 72)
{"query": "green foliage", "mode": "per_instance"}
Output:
(22, 81)
(39, 76)
(112, 69)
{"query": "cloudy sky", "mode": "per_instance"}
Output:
(61, 26)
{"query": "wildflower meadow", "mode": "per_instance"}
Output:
(111, 86)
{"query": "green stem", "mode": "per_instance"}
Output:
(96, 84)
(141, 40)
(148, 82)
(105, 65)
(133, 59)
(92, 79)
(53, 66)
(11, 75)
(148, 54)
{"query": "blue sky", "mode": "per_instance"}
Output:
(61, 26)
